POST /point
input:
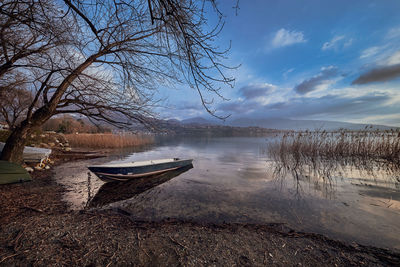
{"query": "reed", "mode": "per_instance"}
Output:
(108, 140)
(324, 151)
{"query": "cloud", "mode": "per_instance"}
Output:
(393, 33)
(393, 59)
(315, 82)
(333, 44)
(379, 74)
(328, 107)
(238, 107)
(337, 42)
(189, 106)
(348, 42)
(336, 107)
(333, 107)
(285, 37)
(256, 90)
(286, 73)
(371, 51)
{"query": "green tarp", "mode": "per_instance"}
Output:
(12, 173)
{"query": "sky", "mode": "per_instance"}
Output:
(311, 59)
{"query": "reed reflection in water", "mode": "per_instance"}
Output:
(320, 158)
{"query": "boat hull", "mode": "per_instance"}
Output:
(12, 173)
(125, 173)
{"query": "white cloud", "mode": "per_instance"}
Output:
(371, 51)
(393, 33)
(333, 43)
(348, 42)
(286, 73)
(393, 59)
(338, 41)
(285, 37)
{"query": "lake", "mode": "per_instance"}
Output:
(234, 180)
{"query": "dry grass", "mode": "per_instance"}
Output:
(323, 153)
(108, 140)
(376, 145)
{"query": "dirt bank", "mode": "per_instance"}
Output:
(36, 228)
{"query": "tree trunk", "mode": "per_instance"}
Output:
(14, 147)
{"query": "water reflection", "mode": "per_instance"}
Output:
(236, 181)
(117, 191)
(324, 173)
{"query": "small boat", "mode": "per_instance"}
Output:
(12, 173)
(131, 170)
(32, 154)
(118, 191)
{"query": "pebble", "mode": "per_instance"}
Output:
(28, 169)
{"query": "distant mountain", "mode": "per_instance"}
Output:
(173, 121)
(198, 120)
(285, 124)
(289, 124)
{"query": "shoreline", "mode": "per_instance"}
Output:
(38, 228)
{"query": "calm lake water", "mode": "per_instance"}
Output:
(234, 180)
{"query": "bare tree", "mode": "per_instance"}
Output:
(121, 51)
(29, 29)
(15, 100)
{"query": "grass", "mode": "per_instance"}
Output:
(375, 145)
(325, 152)
(108, 140)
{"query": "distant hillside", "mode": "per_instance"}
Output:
(288, 124)
(283, 124)
(202, 127)
(198, 120)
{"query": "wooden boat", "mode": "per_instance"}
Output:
(12, 173)
(32, 154)
(131, 170)
(118, 191)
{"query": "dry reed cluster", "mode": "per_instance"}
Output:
(108, 140)
(323, 153)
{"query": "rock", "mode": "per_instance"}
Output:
(67, 149)
(42, 135)
(38, 168)
(28, 169)
(44, 145)
(52, 144)
(47, 167)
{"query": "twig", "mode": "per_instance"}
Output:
(17, 239)
(138, 237)
(33, 209)
(110, 260)
(176, 242)
(7, 257)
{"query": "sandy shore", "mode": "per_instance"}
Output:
(38, 229)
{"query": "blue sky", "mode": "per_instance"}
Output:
(324, 60)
